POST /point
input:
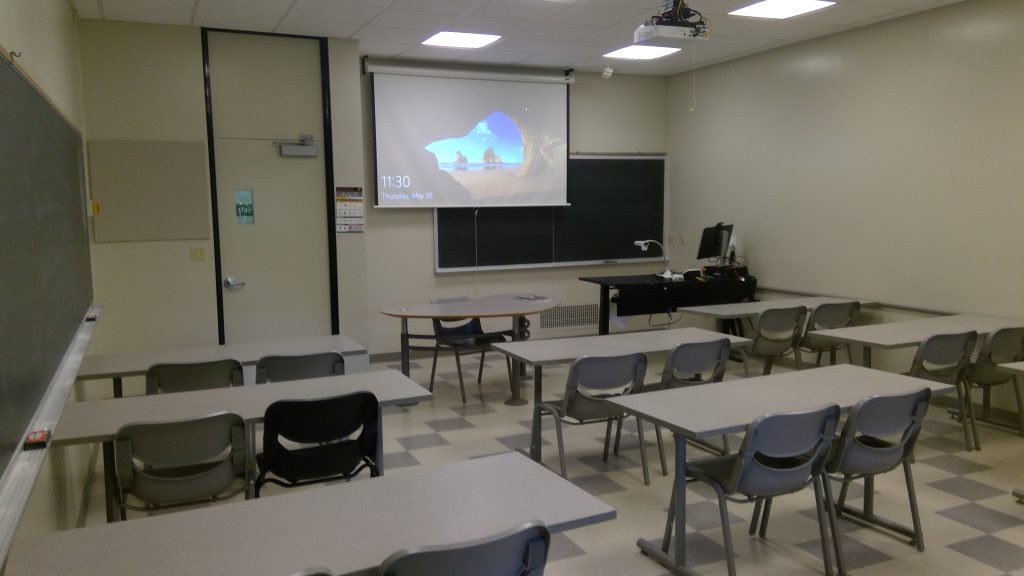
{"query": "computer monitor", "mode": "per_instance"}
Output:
(714, 241)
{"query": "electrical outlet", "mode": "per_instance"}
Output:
(197, 253)
(671, 238)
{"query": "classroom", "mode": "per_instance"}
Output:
(878, 162)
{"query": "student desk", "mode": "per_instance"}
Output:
(912, 332)
(349, 528)
(698, 412)
(539, 353)
(99, 420)
(495, 306)
(117, 366)
(748, 309)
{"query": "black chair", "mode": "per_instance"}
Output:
(186, 377)
(879, 435)
(522, 551)
(464, 336)
(781, 454)
(281, 368)
(325, 431)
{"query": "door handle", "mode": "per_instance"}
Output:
(230, 282)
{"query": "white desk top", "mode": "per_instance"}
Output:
(136, 363)
(1015, 367)
(348, 527)
(494, 306)
(728, 406)
(912, 332)
(745, 309)
(99, 420)
(557, 350)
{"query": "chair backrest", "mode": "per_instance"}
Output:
(522, 551)
(1000, 347)
(695, 363)
(593, 379)
(781, 453)
(456, 327)
(281, 368)
(330, 423)
(833, 315)
(944, 357)
(880, 433)
(777, 331)
(170, 463)
(164, 378)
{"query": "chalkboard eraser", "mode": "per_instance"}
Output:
(37, 439)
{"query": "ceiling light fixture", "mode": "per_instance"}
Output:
(460, 40)
(780, 9)
(637, 52)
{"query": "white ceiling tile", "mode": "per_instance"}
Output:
(493, 57)
(254, 15)
(395, 18)
(584, 50)
(793, 30)
(846, 14)
(559, 61)
(514, 44)
(316, 28)
(445, 6)
(718, 7)
(734, 25)
(597, 15)
(556, 31)
(388, 49)
(177, 12)
(333, 12)
(499, 26)
(394, 35)
(434, 53)
(534, 10)
(89, 9)
(896, 4)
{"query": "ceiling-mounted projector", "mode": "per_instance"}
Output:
(664, 35)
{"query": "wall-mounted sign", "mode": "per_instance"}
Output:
(244, 213)
(348, 204)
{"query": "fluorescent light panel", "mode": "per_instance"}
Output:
(638, 52)
(779, 9)
(460, 40)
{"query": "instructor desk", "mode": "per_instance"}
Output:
(349, 528)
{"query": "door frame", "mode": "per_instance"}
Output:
(332, 240)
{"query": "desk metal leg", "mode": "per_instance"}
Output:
(535, 439)
(518, 368)
(867, 356)
(405, 346)
(675, 562)
(110, 483)
(118, 387)
(603, 311)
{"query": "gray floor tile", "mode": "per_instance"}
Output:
(422, 441)
(399, 460)
(472, 409)
(562, 547)
(955, 464)
(981, 518)
(947, 444)
(701, 550)
(966, 488)
(517, 441)
(447, 424)
(856, 554)
(597, 484)
(614, 462)
(705, 515)
(993, 551)
(939, 426)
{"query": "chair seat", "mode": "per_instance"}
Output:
(718, 468)
(320, 461)
(470, 341)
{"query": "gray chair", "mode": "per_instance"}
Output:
(1000, 347)
(945, 358)
(592, 381)
(879, 435)
(167, 464)
(521, 551)
(776, 333)
(692, 364)
(825, 317)
(281, 368)
(464, 336)
(781, 454)
(164, 378)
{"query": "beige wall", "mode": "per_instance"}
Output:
(882, 163)
(622, 114)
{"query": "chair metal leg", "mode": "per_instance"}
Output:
(763, 531)
(833, 522)
(767, 366)
(561, 444)
(915, 515)
(462, 384)
(970, 415)
(826, 549)
(607, 439)
(832, 357)
(746, 365)
(643, 449)
(723, 511)
(817, 361)
(1020, 404)
(755, 518)
(433, 369)
(661, 450)
(844, 488)
(618, 433)
(963, 416)
(796, 355)
(480, 371)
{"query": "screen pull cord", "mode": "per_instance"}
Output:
(476, 253)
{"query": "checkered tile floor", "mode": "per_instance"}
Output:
(972, 524)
